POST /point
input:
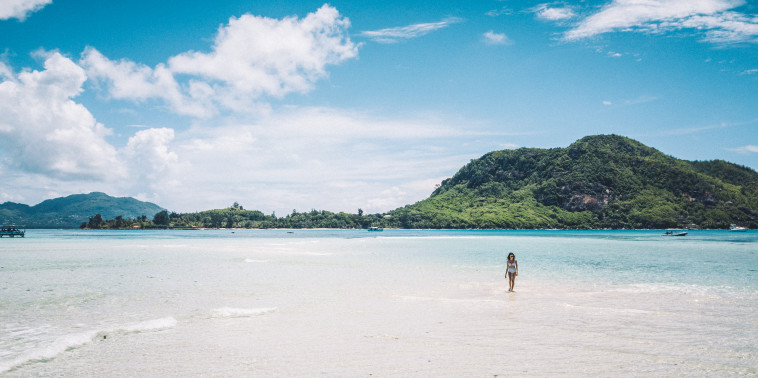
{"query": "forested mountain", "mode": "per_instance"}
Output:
(72, 211)
(604, 181)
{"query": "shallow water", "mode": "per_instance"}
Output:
(345, 303)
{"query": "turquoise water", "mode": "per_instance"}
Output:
(709, 258)
(397, 302)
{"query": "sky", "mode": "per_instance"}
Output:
(347, 105)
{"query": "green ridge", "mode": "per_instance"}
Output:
(604, 181)
(73, 210)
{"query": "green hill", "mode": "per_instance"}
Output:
(604, 181)
(71, 211)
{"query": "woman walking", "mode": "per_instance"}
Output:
(512, 271)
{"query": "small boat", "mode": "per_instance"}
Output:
(736, 228)
(374, 228)
(674, 232)
(12, 231)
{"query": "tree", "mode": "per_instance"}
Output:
(119, 222)
(96, 222)
(161, 218)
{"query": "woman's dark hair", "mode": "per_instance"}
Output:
(511, 254)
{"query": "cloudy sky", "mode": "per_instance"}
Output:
(353, 104)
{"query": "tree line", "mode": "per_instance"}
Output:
(236, 216)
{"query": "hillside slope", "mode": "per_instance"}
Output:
(604, 181)
(71, 211)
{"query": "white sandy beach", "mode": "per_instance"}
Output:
(381, 307)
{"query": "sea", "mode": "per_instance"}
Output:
(349, 303)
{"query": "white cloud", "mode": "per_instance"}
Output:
(43, 131)
(746, 149)
(554, 13)
(20, 9)
(152, 164)
(492, 38)
(393, 35)
(133, 81)
(148, 152)
(726, 27)
(656, 16)
(252, 57)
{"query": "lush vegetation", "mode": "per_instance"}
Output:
(119, 222)
(604, 181)
(236, 216)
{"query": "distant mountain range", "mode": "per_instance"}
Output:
(602, 181)
(71, 211)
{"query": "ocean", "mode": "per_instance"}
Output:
(392, 303)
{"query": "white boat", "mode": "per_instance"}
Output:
(736, 228)
(674, 232)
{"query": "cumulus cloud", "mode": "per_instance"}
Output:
(52, 146)
(20, 9)
(492, 38)
(132, 81)
(148, 152)
(397, 34)
(153, 165)
(712, 17)
(251, 57)
(42, 130)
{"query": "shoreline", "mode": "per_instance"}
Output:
(384, 228)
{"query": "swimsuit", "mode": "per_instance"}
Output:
(511, 267)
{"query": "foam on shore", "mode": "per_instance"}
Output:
(49, 351)
(149, 325)
(230, 312)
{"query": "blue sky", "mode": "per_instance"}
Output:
(353, 104)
